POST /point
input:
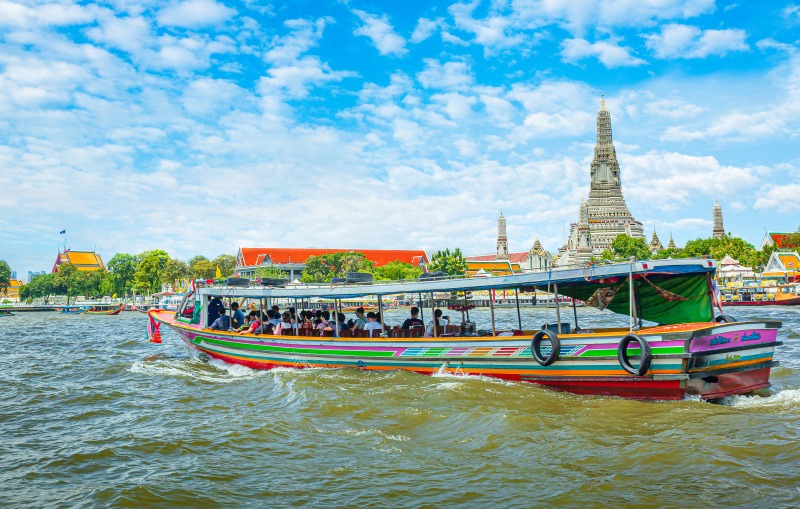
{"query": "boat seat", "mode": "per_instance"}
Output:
(566, 328)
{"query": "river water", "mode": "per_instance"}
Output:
(93, 416)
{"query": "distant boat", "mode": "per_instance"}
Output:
(774, 295)
(4, 312)
(114, 311)
(72, 310)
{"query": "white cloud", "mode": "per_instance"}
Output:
(578, 15)
(673, 108)
(608, 52)
(130, 34)
(648, 178)
(19, 15)
(454, 74)
(784, 196)
(381, 33)
(194, 13)
(425, 28)
(683, 41)
(492, 32)
(457, 106)
(293, 72)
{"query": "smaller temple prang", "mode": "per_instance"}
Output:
(502, 239)
(719, 229)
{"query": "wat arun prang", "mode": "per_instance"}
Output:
(605, 215)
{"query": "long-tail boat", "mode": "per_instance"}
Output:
(114, 311)
(674, 346)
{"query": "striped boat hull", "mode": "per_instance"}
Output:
(705, 360)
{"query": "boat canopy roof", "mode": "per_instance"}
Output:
(667, 291)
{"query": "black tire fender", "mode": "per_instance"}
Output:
(536, 347)
(725, 318)
(624, 361)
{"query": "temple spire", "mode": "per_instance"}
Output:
(502, 239)
(719, 229)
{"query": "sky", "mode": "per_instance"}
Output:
(199, 126)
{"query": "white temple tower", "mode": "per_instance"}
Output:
(608, 215)
(719, 229)
(502, 239)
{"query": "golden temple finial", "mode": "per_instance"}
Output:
(602, 100)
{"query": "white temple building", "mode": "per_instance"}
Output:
(605, 215)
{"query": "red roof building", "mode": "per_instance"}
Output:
(293, 260)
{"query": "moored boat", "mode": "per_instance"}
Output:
(72, 310)
(685, 352)
(764, 295)
(114, 311)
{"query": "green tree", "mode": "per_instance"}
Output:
(670, 252)
(87, 283)
(5, 277)
(203, 269)
(121, 269)
(270, 271)
(151, 271)
(451, 263)
(42, 285)
(226, 264)
(64, 280)
(320, 269)
(623, 247)
(395, 271)
(175, 271)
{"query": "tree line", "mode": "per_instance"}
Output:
(126, 274)
(623, 247)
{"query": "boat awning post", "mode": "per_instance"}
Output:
(574, 307)
(630, 297)
(336, 318)
(421, 308)
(380, 311)
(491, 310)
(519, 316)
(558, 309)
(433, 316)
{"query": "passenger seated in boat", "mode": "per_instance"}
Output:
(285, 324)
(223, 322)
(253, 324)
(323, 318)
(214, 305)
(273, 317)
(372, 324)
(414, 321)
(439, 322)
(342, 322)
(360, 322)
(295, 321)
(237, 316)
(307, 325)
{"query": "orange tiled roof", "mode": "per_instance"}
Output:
(251, 256)
(512, 257)
(82, 260)
(790, 260)
(779, 238)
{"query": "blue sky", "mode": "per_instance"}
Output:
(200, 126)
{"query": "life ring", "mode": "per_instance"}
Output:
(536, 347)
(724, 318)
(624, 361)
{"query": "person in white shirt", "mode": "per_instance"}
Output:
(372, 325)
(441, 322)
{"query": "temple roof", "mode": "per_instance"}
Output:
(254, 256)
(82, 260)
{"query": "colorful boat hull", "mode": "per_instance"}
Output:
(707, 360)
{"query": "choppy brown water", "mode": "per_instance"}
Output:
(93, 416)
